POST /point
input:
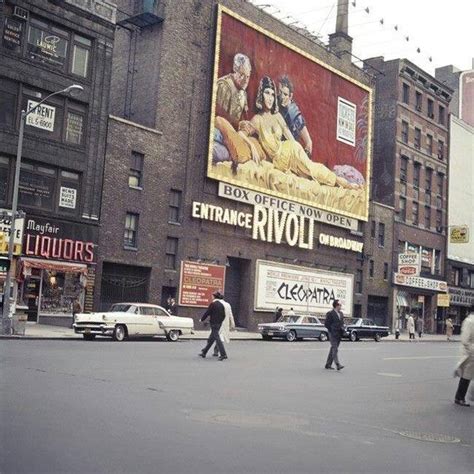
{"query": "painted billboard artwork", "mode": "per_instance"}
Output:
(285, 124)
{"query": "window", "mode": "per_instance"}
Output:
(131, 230)
(428, 179)
(175, 206)
(417, 138)
(358, 282)
(437, 266)
(427, 198)
(8, 97)
(416, 175)
(4, 167)
(406, 93)
(371, 268)
(403, 189)
(401, 246)
(171, 252)
(430, 109)
(440, 149)
(415, 212)
(418, 100)
(404, 131)
(440, 184)
(439, 221)
(80, 55)
(57, 47)
(385, 271)
(372, 229)
(381, 234)
(471, 279)
(429, 144)
(427, 217)
(442, 116)
(135, 176)
(68, 201)
(403, 168)
(37, 186)
(403, 208)
(456, 276)
(74, 127)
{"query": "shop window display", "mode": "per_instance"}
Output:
(59, 292)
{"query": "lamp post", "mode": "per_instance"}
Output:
(6, 322)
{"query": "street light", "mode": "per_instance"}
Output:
(6, 323)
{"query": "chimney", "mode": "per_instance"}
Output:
(340, 42)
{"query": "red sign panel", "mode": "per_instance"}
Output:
(197, 283)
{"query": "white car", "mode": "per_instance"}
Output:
(132, 320)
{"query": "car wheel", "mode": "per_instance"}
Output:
(266, 338)
(89, 337)
(291, 336)
(173, 335)
(120, 333)
(377, 337)
(323, 337)
(353, 336)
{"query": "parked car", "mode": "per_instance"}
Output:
(132, 320)
(361, 328)
(295, 327)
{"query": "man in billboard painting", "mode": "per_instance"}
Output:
(280, 146)
(292, 114)
(231, 98)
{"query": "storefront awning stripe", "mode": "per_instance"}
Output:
(402, 299)
(54, 265)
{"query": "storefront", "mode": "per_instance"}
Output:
(461, 300)
(419, 296)
(57, 263)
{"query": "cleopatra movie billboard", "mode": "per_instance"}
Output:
(285, 124)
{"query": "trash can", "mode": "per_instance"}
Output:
(20, 317)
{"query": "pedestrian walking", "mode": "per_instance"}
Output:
(411, 327)
(291, 312)
(449, 329)
(216, 314)
(465, 367)
(419, 325)
(76, 309)
(173, 307)
(335, 326)
(278, 314)
(227, 325)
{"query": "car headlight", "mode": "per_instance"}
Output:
(281, 328)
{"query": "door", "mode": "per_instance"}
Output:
(31, 296)
(232, 292)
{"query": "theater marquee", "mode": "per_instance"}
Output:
(310, 145)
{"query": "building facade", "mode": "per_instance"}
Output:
(45, 47)
(200, 202)
(411, 174)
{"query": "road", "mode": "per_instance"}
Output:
(155, 406)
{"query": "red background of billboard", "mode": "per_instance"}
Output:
(316, 90)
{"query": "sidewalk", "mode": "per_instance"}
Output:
(43, 331)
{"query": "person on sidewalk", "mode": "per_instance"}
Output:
(278, 314)
(76, 309)
(449, 329)
(465, 367)
(216, 312)
(227, 325)
(411, 327)
(335, 325)
(419, 326)
(291, 312)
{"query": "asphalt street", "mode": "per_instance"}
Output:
(155, 406)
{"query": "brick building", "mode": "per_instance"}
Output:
(167, 209)
(45, 47)
(411, 175)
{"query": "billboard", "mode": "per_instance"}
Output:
(286, 124)
(197, 283)
(307, 290)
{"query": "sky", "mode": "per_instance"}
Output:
(440, 30)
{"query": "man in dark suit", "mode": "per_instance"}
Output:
(335, 325)
(216, 311)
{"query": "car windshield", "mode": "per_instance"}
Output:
(288, 319)
(352, 321)
(120, 307)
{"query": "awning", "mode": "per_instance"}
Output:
(402, 299)
(28, 263)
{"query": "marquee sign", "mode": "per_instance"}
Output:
(307, 290)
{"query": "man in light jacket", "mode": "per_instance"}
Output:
(227, 325)
(465, 367)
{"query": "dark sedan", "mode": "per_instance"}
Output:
(295, 327)
(361, 328)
